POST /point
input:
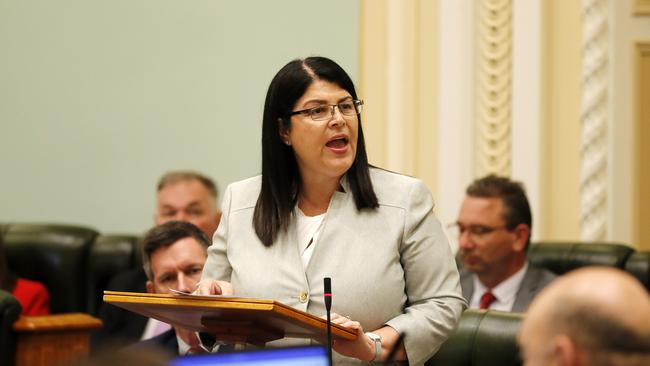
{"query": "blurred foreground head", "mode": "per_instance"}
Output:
(591, 316)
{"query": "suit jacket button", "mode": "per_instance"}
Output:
(303, 297)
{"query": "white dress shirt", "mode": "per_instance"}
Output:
(153, 328)
(184, 348)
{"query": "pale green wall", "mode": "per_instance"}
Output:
(99, 98)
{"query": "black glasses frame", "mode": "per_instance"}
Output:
(310, 111)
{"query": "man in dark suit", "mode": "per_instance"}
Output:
(120, 325)
(174, 255)
(184, 196)
(494, 227)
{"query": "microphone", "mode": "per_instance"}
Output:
(327, 294)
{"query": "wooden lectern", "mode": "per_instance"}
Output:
(230, 319)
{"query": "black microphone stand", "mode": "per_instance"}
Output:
(327, 294)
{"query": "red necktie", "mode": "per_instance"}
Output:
(487, 299)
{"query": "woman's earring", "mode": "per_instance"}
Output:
(286, 142)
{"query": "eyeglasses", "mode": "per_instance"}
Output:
(474, 231)
(326, 111)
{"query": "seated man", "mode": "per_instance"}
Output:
(593, 316)
(183, 196)
(174, 255)
(494, 228)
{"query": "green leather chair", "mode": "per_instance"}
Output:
(109, 255)
(9, 312)
(638, 265)
(483, 338)
(57, 256)
(562, 257)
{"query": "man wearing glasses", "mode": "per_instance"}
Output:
(494, 228)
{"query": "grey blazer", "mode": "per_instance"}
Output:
(534, 281)
(392, 265)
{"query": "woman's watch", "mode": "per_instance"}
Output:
(377, 339)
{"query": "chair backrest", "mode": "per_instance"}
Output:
(55, 255)
(638, 265)
(9, 312)
(109, 255)
(562, 257)
(483, 337)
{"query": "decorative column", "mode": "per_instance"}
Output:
(593, 118)
(494, 87)
(398, 81)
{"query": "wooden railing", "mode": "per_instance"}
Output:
(53, 339)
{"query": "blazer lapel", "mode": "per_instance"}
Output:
(467, 285)
(527, 290)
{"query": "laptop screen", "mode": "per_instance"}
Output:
(292, 356)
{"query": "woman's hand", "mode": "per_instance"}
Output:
(362, 348)
(214, 287)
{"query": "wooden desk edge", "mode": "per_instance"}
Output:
(56, 322)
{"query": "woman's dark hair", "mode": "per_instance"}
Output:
(280, 175)
(7, 278)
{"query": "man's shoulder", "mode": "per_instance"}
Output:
(535, 279)
(464, 273)
(541, 275)
(166, 340)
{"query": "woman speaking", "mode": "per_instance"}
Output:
(319, 210)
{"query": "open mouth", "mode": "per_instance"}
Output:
(338, 143)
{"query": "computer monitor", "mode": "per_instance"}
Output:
(290, 356)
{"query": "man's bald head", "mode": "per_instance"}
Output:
(591, 316)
